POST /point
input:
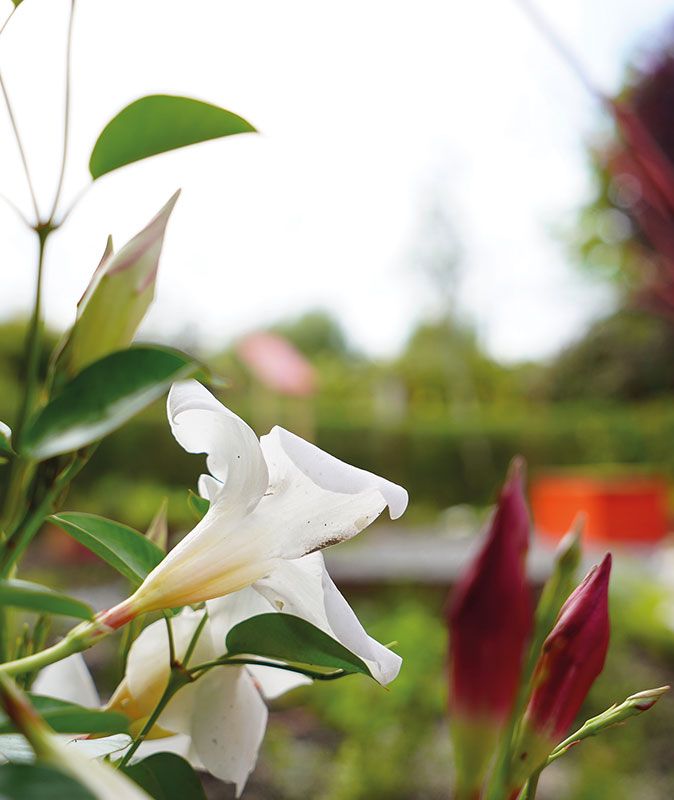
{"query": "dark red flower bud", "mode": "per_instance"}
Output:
(572, 657)
(490, 619)
(573, 654)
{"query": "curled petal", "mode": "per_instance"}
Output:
(314, 500)
(303, 587)
(201, 424)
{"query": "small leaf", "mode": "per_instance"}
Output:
(66, 717)
(156, 124)
(198, 505)
(128, 551)
(39, 782)
(166, 776)
(103, 397)
(33, 596)
(285, 637)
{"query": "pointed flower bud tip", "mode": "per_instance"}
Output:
(490, 619)
(573, 654)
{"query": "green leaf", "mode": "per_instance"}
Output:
(128, 551)
(158, 123)
(285, 637)
(33, 596)
(38, 782)
(66, 717)
(198, 505)
(166, 776)
(103, 397)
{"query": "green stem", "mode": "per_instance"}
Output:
(195, 638)
(178, 678)
(66, 113)
(78, 639)
(529, 791)
(24, 534)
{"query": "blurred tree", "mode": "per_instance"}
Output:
(626, 356)
(315, 333)
(627, 230)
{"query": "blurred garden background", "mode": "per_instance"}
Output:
(418, 363)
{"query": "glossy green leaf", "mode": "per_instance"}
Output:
(33, 596)
(66, 717)
(128, 551)
(158, 123)
(39, 782)
(285, 637)
(198, 505)
(102, 398)
(166, 776)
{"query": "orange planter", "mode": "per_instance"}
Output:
(623, 509)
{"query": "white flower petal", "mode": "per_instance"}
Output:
(304, 588)
(201, 424)
(272, 683)
(68, 680)
(327, 471)
(147, 667)
(229, 722)
(209, 487)
(315, 500)
(226, 612)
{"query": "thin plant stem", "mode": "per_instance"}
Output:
(177, 680)
(197, 671)
(171, 641)
(66, 112)
(24, 534)
(17, 211)
(195, 638)
(33, 341)
(9, 16)
(19, 143)
(531, 786)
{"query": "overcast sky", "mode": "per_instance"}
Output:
(370, 110)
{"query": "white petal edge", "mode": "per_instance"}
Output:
(303, 587)
(329, 472)
(201, 424)
(228, 702)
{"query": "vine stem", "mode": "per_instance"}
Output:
(177, 679)
(15, 128)
(66, 113)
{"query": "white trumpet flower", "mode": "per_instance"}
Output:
(273, 501)
(217, 722)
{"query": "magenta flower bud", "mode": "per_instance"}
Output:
(573, 656)
(490, 619)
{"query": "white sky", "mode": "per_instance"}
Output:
(365, 106)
